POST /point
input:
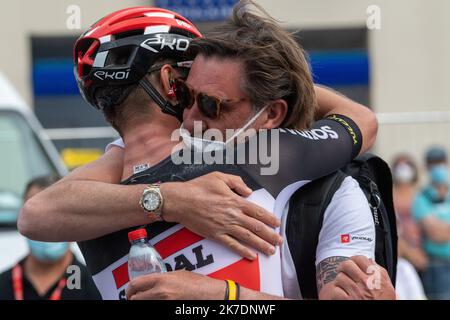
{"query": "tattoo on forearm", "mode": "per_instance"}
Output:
(326, 270)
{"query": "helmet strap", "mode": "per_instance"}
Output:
(166, 106)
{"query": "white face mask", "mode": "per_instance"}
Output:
(404, 173)
(202, 145)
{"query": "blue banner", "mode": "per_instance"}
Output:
(199, 10)
(332, 68)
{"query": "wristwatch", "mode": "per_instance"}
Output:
(152, 201)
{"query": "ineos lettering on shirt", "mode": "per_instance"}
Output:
(158, 43)
(323, 133)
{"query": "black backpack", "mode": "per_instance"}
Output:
(307, 207)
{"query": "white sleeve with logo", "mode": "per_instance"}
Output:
(118, 143)
(348, 228)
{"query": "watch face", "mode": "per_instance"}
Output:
(151, 201)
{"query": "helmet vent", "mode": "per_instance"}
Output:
(119, 56)
(131, 33)
(182, 32)
(84, 45)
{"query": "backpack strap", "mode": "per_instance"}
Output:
(303, 224)
(375, 179)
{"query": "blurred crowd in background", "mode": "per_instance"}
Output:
(421, 191)
(422, 205)
(370, 63)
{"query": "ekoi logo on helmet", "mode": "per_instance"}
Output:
(159, 42)
(114, 75)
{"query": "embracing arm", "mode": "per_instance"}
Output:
(186, 285)
(338, 278)
(89, 203)
(326, 272)
(344, 130)
(354, 278)
(344, 269)
(85, 204)
(331, 102)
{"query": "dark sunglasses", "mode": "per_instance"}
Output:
(208, 105)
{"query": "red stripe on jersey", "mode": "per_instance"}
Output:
(177, 241)
(244, 272)
(121, 275)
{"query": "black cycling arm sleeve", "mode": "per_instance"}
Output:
(286, 156)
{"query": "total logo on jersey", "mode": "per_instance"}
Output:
(189, 262)
(183, 249)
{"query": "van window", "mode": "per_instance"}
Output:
(22, 158)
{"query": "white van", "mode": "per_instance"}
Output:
(25, 153)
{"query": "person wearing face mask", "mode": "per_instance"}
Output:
(431, 208)
(42, 274)
(405, 176)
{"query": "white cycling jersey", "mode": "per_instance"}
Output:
(348, 227)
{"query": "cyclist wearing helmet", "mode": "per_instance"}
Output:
(140, 101)
(116, 54)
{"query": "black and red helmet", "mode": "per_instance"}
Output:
(119, 49)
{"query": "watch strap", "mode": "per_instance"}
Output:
(155, 187)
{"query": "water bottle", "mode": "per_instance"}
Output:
(143, 258)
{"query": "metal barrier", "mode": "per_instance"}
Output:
(412, 133)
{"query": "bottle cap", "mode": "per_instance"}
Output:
(137, 235)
